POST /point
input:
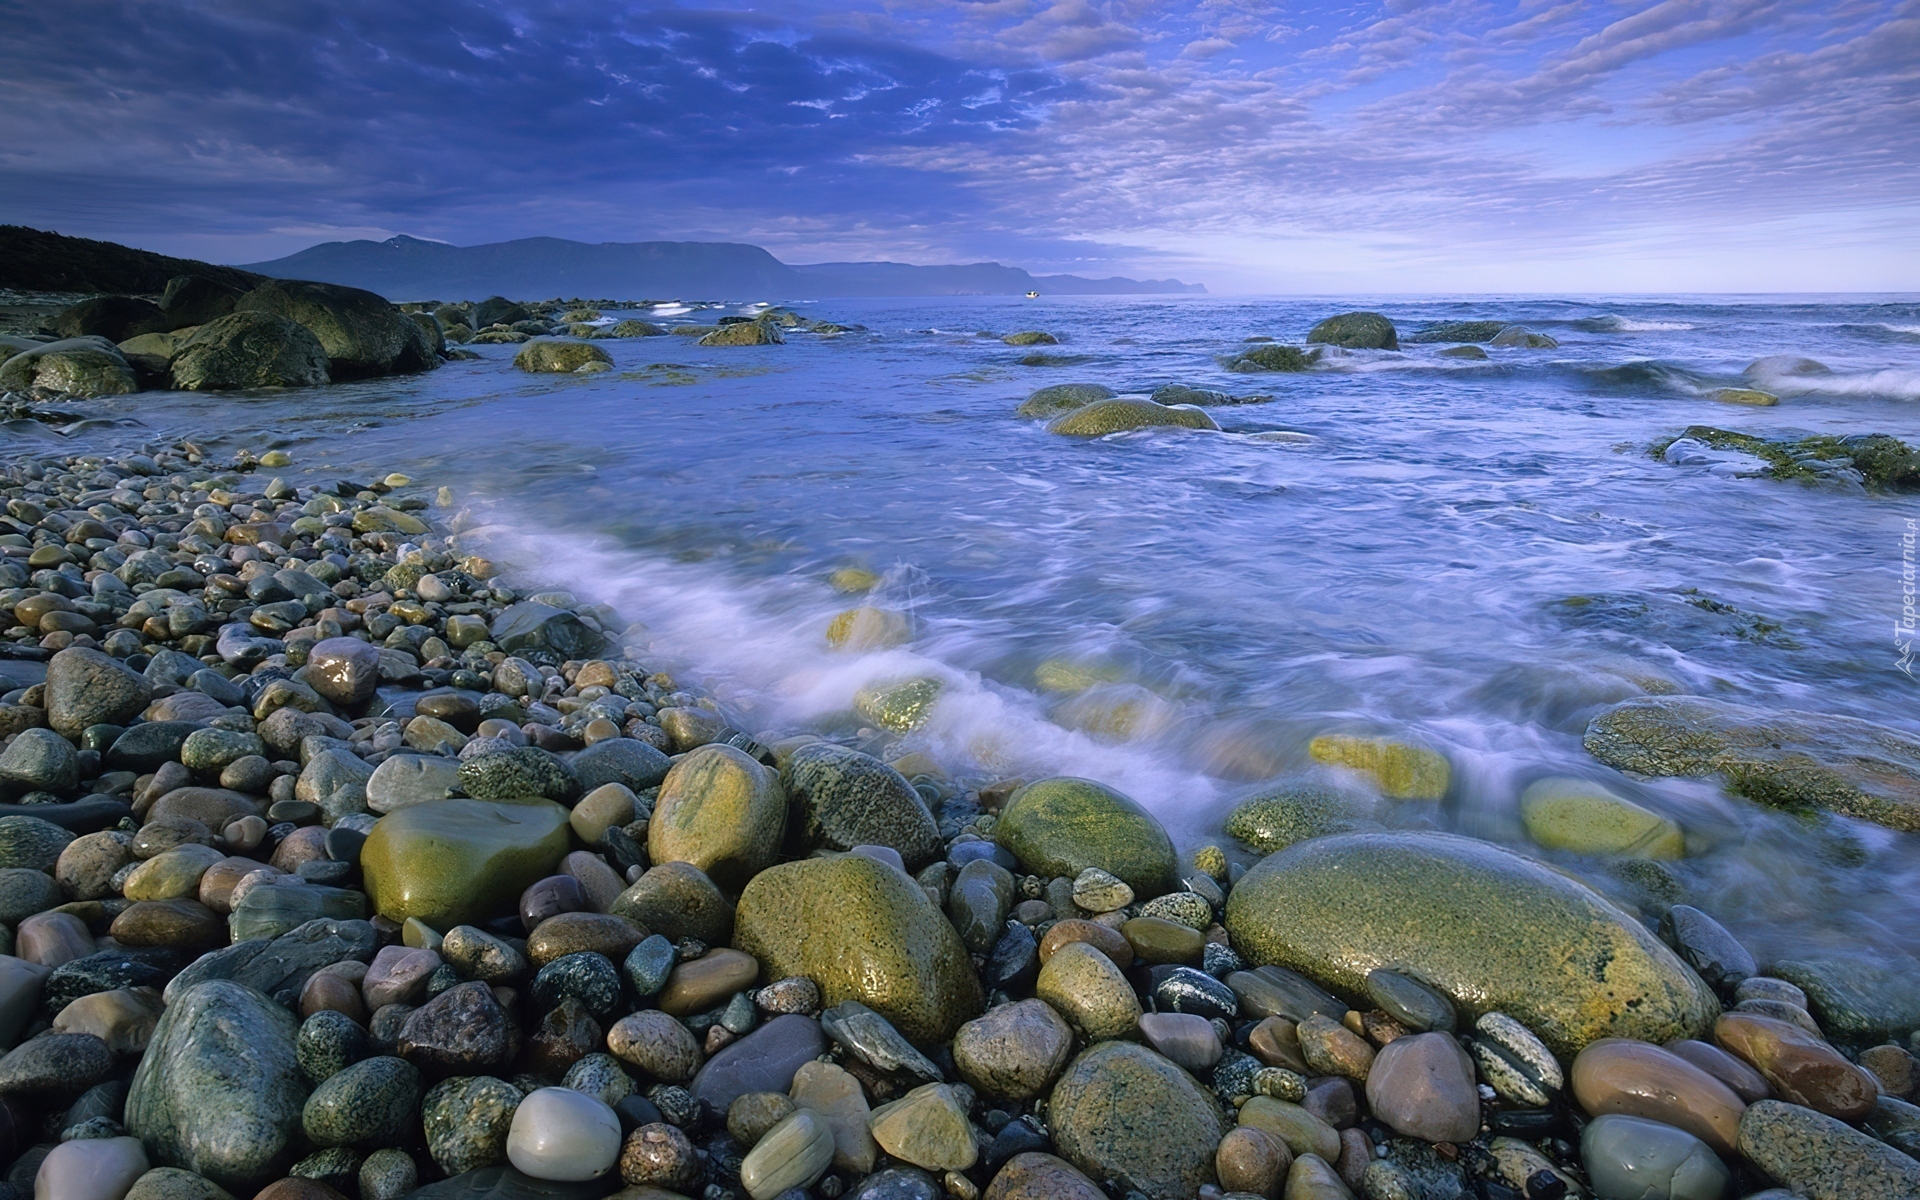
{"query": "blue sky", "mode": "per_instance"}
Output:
(1404, 146)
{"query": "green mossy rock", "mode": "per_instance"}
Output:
(1400, 769)
(1459, 331)
(744, 333)
(1031, 337)
(1061, 398)
(249, 350)
(1490, 929)
(1274, 357)
(1566, 813)
(1792, 760)
(362, 334)
(558, 357)
(460, 862)
(1278, 817)
(1356, 331)
(901, 707)
(82, 366)
(864, 931)
(841, 798)
(1124, 1113)
(1118, 415)
(721, 811)
(1062, 826)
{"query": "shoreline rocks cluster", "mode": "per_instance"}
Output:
(331, 865)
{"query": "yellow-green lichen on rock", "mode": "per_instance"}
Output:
(862, 930)
(869, 628)
(1489, 928)
(1062, 826)
(1399, 769)
(1566, 813)
(460, 862)
(1067, 676)
(901, 707)
(721, 811)
(1115, 712)
(853, 580)
(1123, 1112)
(1750, 396)
(1278, 816)
(1103, 417)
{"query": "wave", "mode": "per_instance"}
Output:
(1614, 323)
(1790, 375)
(1645, 374)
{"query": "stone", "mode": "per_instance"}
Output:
(586, 977)
(1820, 1158)
(456, 862)
(171, 1183)
(1330, 1048)
(1581, 816)
(1400, 770)
(1275, 991)
(650, 963)
(743, 333)
(183, 924)
(82, 367)
(1110, 942)
(516, 774)
(561, 1134)
(750, 1117)
(360, 332)
(707, 981)
(274, 911)
(1293, 1126)
(927, 1127)
(1124, 1113)
(210, 751)
(86, 687)
(977, 903)
(1514, 1062)
(601, 883)
(86, 867)
(1614, 1075)
(837, 1097)
(463, 1030)
(1252, 1160)
(1412, 1003)
(1062, 826)
(677, 900)
(1016, 1051)
(1122, 413)
(54, 1066)
(1435, 905)
(1187, 1040)
(841, 798)
(123, 1018)
(408, 779)
(1099, 891)
(369, 1104)
(218, 1092)
(94, 1169)
(553, 896)
(328, 1043)
(868, 628)
(1706, 946)
(528, 625)
(1156, 940)
(1356, 331)
(171, 874)
(1798, 1067)
(626, 762)
(763, 1061)
(24, 892)
(1036, 1176)
(1854, 999)
(467, 1120)
(1278, 817)
(1632, 1156)
(1423, 1086)
(387, 1175)
(1781, 758)
(1085, 987)
(576, 932)
(398, 975)
(37, 760)
(794, 1153)
(722, 812)
(861, 930)
(283, 963)
(477, 954)
(609, 806)
(1741, 1079)
(872, 1039)
(657, 1044)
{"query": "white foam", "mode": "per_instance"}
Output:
(1896, 383)
(1614, 323)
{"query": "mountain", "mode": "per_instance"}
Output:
(406, 268)
(33, 260)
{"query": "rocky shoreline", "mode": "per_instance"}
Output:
(334, 865)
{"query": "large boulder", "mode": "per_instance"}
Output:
(1064, 825)
(195, 300)
(841, 798)
(115, 318)
(1124, 1113)
(743, 333)
(1793, 760)
(460, 862)
(1060, 398)
(1356, 331)
(558, 357)
(429, 324)
(362, 334)
(1448, 910)
(219, 1092)
(498, 310)
(862, 930)
(1120, 414)
(1821, 1158)
(249, 350)
(721, 811)
(84, 366)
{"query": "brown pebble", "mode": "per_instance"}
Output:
(707, 981)
(335, 993)
(659, 1155)
(1252, 1160)
(1799, 1068)
(1275, 1043)
(1892, 1066)
(1108, 941)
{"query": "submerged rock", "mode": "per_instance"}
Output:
(1062, 397)
(1356, 331)
(1440, 907)
(1120, 414)
(1062, 826)
(1784, 759)
(553, 356)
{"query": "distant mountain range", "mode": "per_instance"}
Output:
(405, 268)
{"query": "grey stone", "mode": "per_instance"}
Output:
(369, 1104)
(842, 798)
(621, 760)
(467, 1119)
(763, 1061)
(1631, 1156)
(275, 910)
(86, 687)
(407, 779)
(274, 965)
(29, 842)
(39, 760)
(1821, 1158)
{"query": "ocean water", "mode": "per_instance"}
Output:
(1478, 556)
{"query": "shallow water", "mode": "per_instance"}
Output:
(1407, 568)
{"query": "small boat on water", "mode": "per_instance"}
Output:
(1033, 295)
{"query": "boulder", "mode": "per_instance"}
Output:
(84, 367)
(1062, 826)
(115, 318)
(194, 300)
(430, 326)
(86, 687)
(460, 862)
(632, 328)
(1356, 331)
(1120, 414)
(862, 930)
(1784, 759)
(1062, 398)
(498, 310)
(219, 1091)
(1822, 1159)
(1441, 908)
(1273, 357)
(249, 350)
(1122, 1112)
(554, 356)
(361, 333)
(743, 333)
(151, 354)
(1523, 338)
(841, 798)
(721, 811)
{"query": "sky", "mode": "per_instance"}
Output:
(1383, 147)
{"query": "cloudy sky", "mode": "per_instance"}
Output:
(1351, 145)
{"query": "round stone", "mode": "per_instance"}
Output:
(1124, 1113)
(1084, 986)
(563, 1135)
(1614, 1075)
(721, 811)
(657, 1044)
(1631, 1156)
(370, 1103)
(467, 1120)
(659, 1155)
(1063, 826)
(1015, 1051)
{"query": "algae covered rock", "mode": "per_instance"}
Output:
(901, 707)
(1273, 356)
(869, 628)
(1356, 331)
(1062, 826)
(362, 334)
(249, 350)
(1399, 769)
(459, 862)
(721, 811)
(82, 366)
(1784, 759)
(1062, 397)
(744, 333)
(553, 356)
(1117, 415)
(1124, 1113)
(862, 930)
(841, 798)
(1488, 928)
(1278, 817)
(1565, 813)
